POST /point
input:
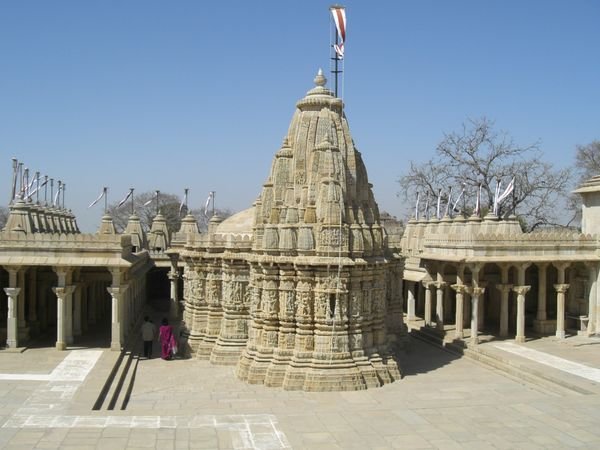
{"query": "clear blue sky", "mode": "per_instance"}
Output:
(168, 95)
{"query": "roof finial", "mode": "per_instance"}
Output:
(320, 79)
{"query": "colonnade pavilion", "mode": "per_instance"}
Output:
(305, 289)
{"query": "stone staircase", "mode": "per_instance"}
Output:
(520, 369)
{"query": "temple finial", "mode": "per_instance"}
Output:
(320, 79)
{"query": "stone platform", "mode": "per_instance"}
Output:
(444, 401)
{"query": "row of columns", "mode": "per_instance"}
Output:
(79, 304)
(476, 290)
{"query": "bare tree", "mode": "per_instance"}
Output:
(169, 205)
(480, 155)
(203, 218)
(587, 160)
(587, 165)
(3, 216)
(145, 206)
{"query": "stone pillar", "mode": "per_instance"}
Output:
(410, 301)
(596, 310)
(174, 305)
(84, 307)
(214, 311)
(61, 315)
(23, 329)
(32, 293)
(476, 293)
(174, 277)
(593, 286)
(77, 310)
(504, 294)
(541, 309)
(439, 304)
(460, 291)
(69, 316)
(521, 291)
(232, 338)
(561, 289)
(420, 299)
(427, 285)
(12, 335)
(42, 305)
(283, 353)
(21, 301)
(295, 376)
(116, 293)
(92, 302)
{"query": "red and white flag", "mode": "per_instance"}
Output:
(339, 18)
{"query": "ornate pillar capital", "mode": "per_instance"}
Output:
(561, 288)
(64, 291)
(116, 292)
(504, 288)
(476, 291)
(13, 293)
(521, 290)
(459, 288)
(561, 265)
(427, 284)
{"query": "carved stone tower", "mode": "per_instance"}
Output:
(320, 282)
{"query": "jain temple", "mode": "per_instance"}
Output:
(305, 289)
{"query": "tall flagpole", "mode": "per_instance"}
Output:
(213, 203)
(132, 210)
(37, 188)
(45, 190)
(105, 200)
(15, 165)
(157, 208)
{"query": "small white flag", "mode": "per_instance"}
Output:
(507, 191)
(122, 202)
(478, 204)
(210, 197)
(448, 203)
(183, 201)
(151, 199)
(439, 205)
(496, 196)
(417, 206)
(54, 203)
(454, 209)
(99, 198)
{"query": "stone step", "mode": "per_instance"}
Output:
(521, 369)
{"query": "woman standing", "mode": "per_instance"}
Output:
(167, 340)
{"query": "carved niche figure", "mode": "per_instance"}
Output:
(321, 305)
(304, 310)
(269, 299)
(355, 303)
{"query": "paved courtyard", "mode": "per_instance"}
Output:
(444, 401)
